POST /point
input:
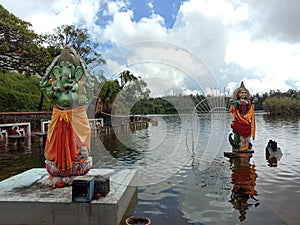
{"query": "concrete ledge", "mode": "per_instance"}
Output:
(25, 200)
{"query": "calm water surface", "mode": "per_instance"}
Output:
(183, 176)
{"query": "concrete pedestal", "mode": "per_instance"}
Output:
(24, 199)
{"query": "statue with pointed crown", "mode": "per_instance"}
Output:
(69, 86)
(243, 119)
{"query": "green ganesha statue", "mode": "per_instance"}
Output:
(68, 85)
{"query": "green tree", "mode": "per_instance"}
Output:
(282, 105)
(126, 77)
(108, 93)
(126, 90)
(78, 38)
(20, 48)
(135, 88)
(19, 93)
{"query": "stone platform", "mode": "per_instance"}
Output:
(24, 199)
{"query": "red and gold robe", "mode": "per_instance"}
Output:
(67, 132)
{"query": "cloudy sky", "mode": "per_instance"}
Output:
(185, 46)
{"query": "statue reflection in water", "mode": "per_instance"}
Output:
(244, 180)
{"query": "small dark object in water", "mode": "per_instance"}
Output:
(273, 153)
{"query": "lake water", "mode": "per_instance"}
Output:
(183, 176)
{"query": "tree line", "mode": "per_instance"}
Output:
(287, 103)
(274, 102)
(138, 102)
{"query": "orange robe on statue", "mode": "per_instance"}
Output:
(248, 119)
(67, 132)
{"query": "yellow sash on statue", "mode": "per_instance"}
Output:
(77, 117)
(248, 118)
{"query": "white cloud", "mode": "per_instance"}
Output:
(124, 30)
(297, 84)
(237, 40)
(114, 7)
(150, 5)
(158, 62)
(219, 9)
(264, 85)
(23, 9)
(273, 62)
(190, 92)
(47, 15)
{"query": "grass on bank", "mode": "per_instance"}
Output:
(20, 93)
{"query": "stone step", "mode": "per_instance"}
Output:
(24, 199)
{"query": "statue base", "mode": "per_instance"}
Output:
(61, 178)
(239, 153)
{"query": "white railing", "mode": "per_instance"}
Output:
(3, 132)
(19, 127)
(16, 126)
(96, 123)
(44, 124)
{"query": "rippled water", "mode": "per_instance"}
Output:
(183, 177)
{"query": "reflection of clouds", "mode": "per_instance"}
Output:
(211, 129)
(203, 195)
(157, 153)
(158, 133)
(166, 157)
(214, 142)
(146, 140)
